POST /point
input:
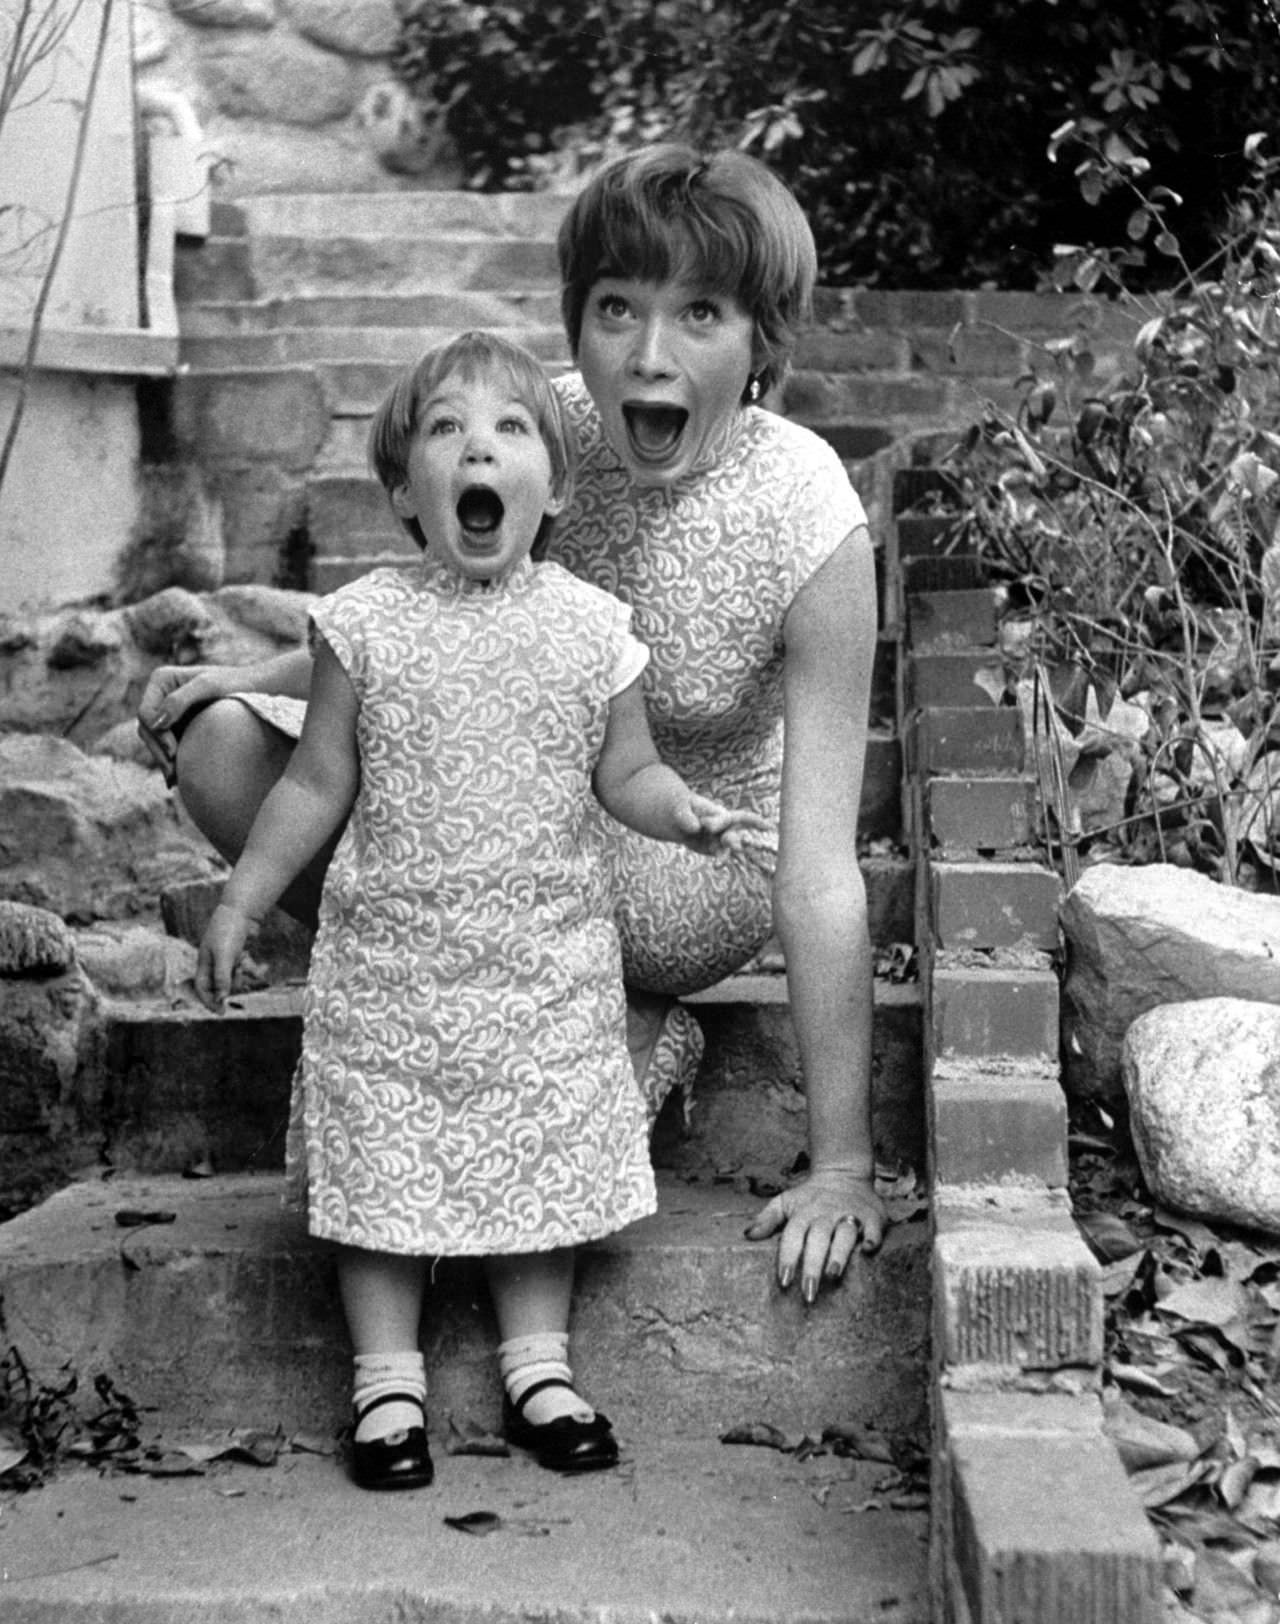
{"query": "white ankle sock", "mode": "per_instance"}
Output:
(376, 1375)
(526, 1360)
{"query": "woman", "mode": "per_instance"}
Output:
(736, 540)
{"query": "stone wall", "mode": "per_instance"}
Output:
(292, 95)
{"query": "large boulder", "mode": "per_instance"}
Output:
(48, 1015)
(87, 837)
(1137, 938)
(1203, 1085)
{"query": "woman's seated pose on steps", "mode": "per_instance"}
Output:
(465, 1087)
(735, 538)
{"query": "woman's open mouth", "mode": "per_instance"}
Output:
(480, 512)
(654, 431)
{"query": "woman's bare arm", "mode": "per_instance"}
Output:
(820, 911)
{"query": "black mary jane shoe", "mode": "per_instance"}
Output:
(401, 1460)
(566, 1444)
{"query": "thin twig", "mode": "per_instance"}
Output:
(55, 258)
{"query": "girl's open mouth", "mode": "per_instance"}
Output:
(654, 431)
(480, 510)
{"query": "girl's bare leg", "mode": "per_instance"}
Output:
(382, 1299)
(532, 1293)
(228, 763)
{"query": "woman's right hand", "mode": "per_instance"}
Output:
(173, 690)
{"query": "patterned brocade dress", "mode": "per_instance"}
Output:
(709, 568)
(464, 1086)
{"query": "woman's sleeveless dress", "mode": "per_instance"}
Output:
(464, 1086)
(709, 568)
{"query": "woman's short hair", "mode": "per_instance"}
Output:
(724, 219)
(471, 355)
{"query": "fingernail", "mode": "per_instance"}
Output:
(786, 1277)
(810, 1289)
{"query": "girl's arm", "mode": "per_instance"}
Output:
(635, 786)
(820, 909)
(299, 815)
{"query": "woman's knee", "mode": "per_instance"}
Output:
(227, 763)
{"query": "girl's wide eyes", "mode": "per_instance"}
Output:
(513, 425)
(443, 425)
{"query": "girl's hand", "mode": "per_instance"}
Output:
(220, 950)
(823, 1220)
(710, 828)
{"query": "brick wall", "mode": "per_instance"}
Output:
(1032, 1515)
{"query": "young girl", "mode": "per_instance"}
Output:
(464, 1086)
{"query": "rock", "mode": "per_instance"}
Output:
(1202, 1080)
(251, 14)
(1137, 938)
(133, 961)
(88, 837)
(281, 78)
(33, 941)
(363, 28)
(122, 743)
(85, 638)
(47, 1024)
(276, 613)
(174, 625)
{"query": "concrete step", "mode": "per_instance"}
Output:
(225, 1313)
(455, 311)
(391, 347)
(689, 1532)
(179, 1086)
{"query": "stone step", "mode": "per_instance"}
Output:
(689, 1531)
(288, 266)
(448, 213)
(389, 347)
(454, 311)
(224, 1313)
(401, 264)
(185, 1087)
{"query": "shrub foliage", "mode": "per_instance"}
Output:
(918, 136)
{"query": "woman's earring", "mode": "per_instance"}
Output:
(753, 388)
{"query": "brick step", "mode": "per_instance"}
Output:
(689, 1531)
(389, 347)
(217, 317)
(186, 1085)
(227, 1314)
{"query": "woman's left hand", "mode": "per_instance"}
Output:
(822, 1221)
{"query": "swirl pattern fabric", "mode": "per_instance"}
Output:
(709, 569)
(464, 1086)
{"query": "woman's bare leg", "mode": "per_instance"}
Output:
(228, 762)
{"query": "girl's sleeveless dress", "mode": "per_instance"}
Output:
(464, 1086)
